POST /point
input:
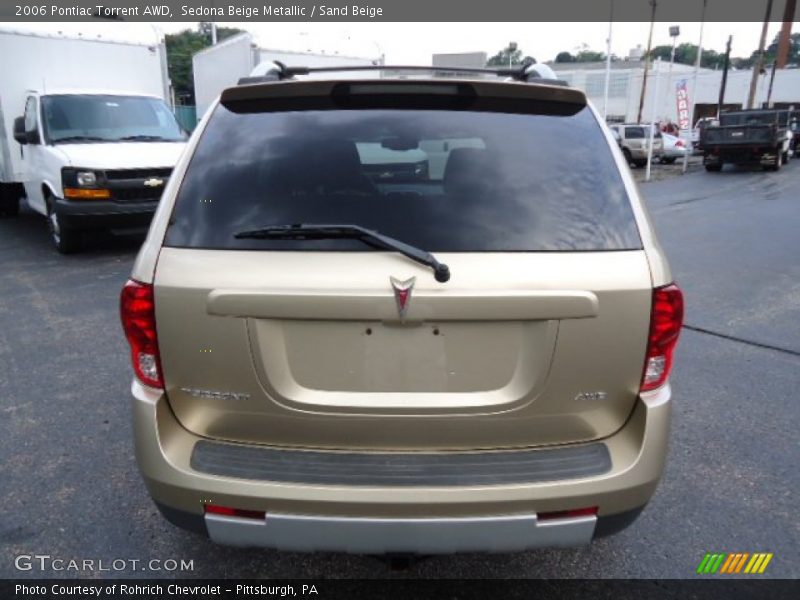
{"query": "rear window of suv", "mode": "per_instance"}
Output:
(634, 133)
(445, 181)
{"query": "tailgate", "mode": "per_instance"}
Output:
(517, 350)
(730, 135)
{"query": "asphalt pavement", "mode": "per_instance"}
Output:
(69, 487)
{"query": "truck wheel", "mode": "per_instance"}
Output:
(9, 201)
(778, 162)
(65, 239)
(713, 168)
(786, 157)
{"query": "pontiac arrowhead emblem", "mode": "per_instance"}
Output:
(402, 294)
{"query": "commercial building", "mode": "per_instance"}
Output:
(625, 86)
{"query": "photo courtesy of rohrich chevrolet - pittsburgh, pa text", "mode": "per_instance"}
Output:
(399, 299)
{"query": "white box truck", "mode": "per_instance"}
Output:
(85, 133)
(221, 66)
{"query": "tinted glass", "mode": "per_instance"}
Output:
(447, 181)
(748, 119)
(109, 118)
(634, 133)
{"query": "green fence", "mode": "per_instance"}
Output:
(187, 117)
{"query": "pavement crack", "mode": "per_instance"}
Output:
(733, 338)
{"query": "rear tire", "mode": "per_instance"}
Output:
(778, 162)
(9, 201)
(628, 157)
(65, 239)
(668, 160)
(713, 168)
(639, 163)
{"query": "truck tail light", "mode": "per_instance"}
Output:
(665, 326)
(137, 311)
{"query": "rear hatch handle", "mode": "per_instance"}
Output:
(310, 231)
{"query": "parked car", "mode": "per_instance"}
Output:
(635, 140)
(697, 130)
(617, 137)
(762, 137)
(673, 148)
(88, 147)
(477, 361)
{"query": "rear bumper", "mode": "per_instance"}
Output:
(641, 153)
(384, 518)
(741, 155)
(309, 533)
(104, 214)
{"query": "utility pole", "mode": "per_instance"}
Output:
(674, 32)
(724, 75)
(760, 58)
(786, 32)
(608, 62)
(654, 104)
(771, 81)
(694, 84)
(512, 47)
(647, 60)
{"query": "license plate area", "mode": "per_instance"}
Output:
(402, 365)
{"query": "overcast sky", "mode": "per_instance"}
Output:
(413, 43)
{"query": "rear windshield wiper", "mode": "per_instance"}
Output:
(308, 231)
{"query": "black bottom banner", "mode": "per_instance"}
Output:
(412, 589)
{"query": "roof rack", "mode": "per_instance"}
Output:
(281, 72)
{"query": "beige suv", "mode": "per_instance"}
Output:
(634, 139)
(472, 358)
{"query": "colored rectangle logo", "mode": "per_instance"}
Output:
(734, 563)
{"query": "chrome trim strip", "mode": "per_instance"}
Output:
(307, 533)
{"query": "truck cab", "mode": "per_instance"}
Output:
(95, 159)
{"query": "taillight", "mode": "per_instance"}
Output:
(137, 310)
(665, 327)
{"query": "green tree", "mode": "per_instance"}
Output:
(686, 54)
(771, 51)
(181, 47)
(582, 55)
(510, 55)
(589, 56)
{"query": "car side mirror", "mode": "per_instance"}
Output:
(19, 130)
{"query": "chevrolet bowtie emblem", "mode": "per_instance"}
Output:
(402, 294)
(153, 182)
